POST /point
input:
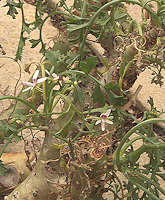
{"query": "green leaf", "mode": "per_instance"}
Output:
(16, 116)
(120, 14)
(161, 175)
(34, 42)
(90, 126)
(75, 27)
(17, 138)
(22, 101)
(57, 59)
(62, 45)
(122, 72)
(78, 95)
(12, 12)
(95, 110)
(3, 169)
(77, 4)
(114, 99)
(12, 8)
(114, 87)
(87, 65)
(139, 26)
(98, 96)
(151, 102)
(127, 58)
(72, 58)
(13, 128)
(13, 3)
(38, 22)
(63, 122)
(43, 50)
(7, 128)
(4, 129)
(26, 28)
(52, 56)
(132, 26)
(20, 48)
(161, 10)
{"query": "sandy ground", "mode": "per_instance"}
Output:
(9, 37)
(145, 78)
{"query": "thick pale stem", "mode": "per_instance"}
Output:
(36, 185)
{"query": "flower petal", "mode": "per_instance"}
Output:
(108, 121)
(29, 88)
(35, 76)
(98, 122)
(108, 112)
(103, 126)
(47, 72)
(55, 76)
(40, 80)
(28, 84)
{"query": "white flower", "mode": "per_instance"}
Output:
(104, 120)
(54, 75)
(35, 81)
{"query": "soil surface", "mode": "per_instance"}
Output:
(9, 38)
